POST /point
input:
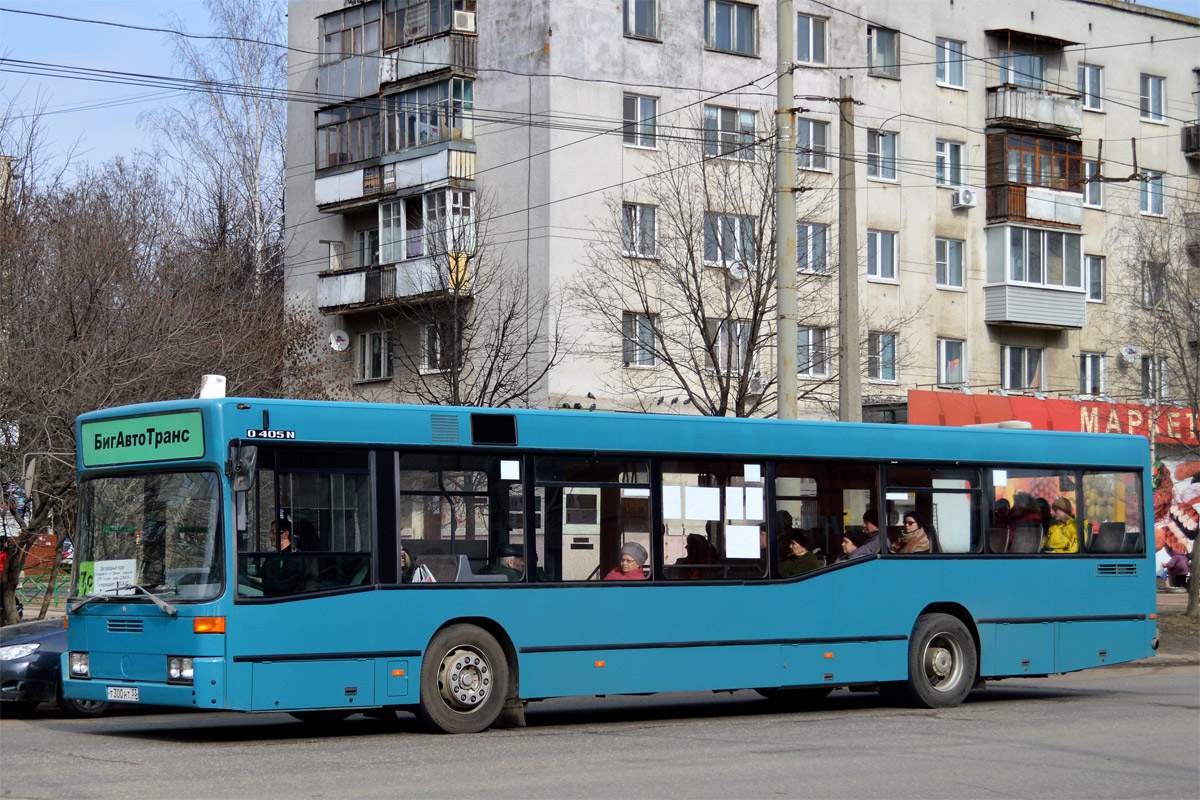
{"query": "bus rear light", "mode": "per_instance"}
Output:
(208, 625)
(179, 669)
(79, 665)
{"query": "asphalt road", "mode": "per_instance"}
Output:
(1114, 732)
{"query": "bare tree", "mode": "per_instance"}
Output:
(1155, 297)
(683, 279)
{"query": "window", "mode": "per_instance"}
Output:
(731, 343)
(809, 495)
(637, 230)
(883, 52)
(881, 356)
(732, 27)
(1021, 494)
(1093, 270)
(728, 132)
(950, 63)
(1113, 500)
(438, 112)
(366, 247)
(1091, 374)
(638, 339)
(1152, 98)
(429, 224)
(812, 142)
(811, 247)
(881, 255)
(1021, 69)
(346, 134)
(729, 239)
(949, 159)
(1154, 280)
(438, 346)
(407, 21)
(1040, 161)
(352, 32)
(1154, 378)
(947, 502)
(1021, 367)
(949, 256)
(640, 114)
(1093, 187)
(374, 356)
(1046, 258)
(641, 18)
(812, 352)
(1091, 86)
(1152, 193)
(881, 155)
(810, 39)
(952, 361)
(721, 506)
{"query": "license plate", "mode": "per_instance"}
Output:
(123, 694)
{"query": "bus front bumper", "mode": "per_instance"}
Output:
(207, 689)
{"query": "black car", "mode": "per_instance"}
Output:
(30, 672)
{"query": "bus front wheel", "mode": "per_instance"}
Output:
(464, 679)
(942, 663)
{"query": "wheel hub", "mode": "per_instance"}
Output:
(465, 679)
(941, 661)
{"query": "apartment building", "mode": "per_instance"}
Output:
(1011, 161)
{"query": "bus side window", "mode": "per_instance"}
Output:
(824, 504)
(946, 500)
(1032, 496)
(714, 515)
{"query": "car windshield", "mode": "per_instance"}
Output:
(158, 531)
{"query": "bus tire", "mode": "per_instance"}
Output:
(464, 680)
(796, 699)
(942, 664)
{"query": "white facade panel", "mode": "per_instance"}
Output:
(339, 188)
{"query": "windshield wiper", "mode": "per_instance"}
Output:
(158, 601)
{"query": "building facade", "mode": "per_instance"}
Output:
(1024, 171)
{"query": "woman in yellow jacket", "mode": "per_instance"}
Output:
(1063, 534)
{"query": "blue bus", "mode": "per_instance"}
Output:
(331, 558)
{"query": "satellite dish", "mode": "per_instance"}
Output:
(339, 341)
(1130, 353)
(738, 271)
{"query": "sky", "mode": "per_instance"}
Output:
(102, 118)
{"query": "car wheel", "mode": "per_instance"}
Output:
(15, 709)
(81, 708)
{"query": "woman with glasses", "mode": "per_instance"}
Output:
(913, 539)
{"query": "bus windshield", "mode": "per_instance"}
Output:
(157, 531)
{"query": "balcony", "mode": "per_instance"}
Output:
(1191, 139)
(1035, 204)
(1034, 306)
(1012, 106)
(456, 52)
(371, 288)
(355, 189)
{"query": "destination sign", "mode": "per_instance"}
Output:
(134, 440)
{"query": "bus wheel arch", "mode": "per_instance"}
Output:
(964, 616)
(943, 662)
(468, 676)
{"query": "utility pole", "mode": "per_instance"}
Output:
(849, 364)
(785, 219)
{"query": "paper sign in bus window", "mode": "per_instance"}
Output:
(510, 470)
(113, 574)
(741, 541)
(703, 502)
(735, 505)
(672, 502)
(754, 503)
(753, 473)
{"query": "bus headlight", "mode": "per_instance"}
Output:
(179, 669)
(79, 665)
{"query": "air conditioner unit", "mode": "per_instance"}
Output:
(964, 198)
(464, 21)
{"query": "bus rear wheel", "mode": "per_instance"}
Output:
(942, 663)
(464, 679)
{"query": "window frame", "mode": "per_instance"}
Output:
(353, 129)
(367, 352)
(717, 227)
(1093, 189)
(879, 343)
(1091, 90)
(813, 356)
(811, 154)
(881, 167)
(640, 131)
(357, 30)
(1006, 363)
(1069, 240)
(945, 63)
(729, 142)
(949, 163)
(945, 266)
(1154, 283)
(725, 343)
(1152, 91)
(636, 352)
(876, 67)
(443, 211)
(1156, 378)
(634, 230)
(1152, 200)
(874, 259)
(1012, 75)
(806, 233)
(1092, 371)
(630, 15)
(712, 33)
(1090, 290)
(943, 362)
(429, 114)
(1046, 161)
(806, 34)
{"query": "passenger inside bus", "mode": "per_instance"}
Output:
(914, 538)
(629, 567)
(1062, 536)
(799, 556)
(510, 562)
(865, 545)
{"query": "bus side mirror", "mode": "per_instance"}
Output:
(240, 468)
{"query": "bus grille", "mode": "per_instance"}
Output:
(124, 625)
(445, 428)
(1116, 569)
